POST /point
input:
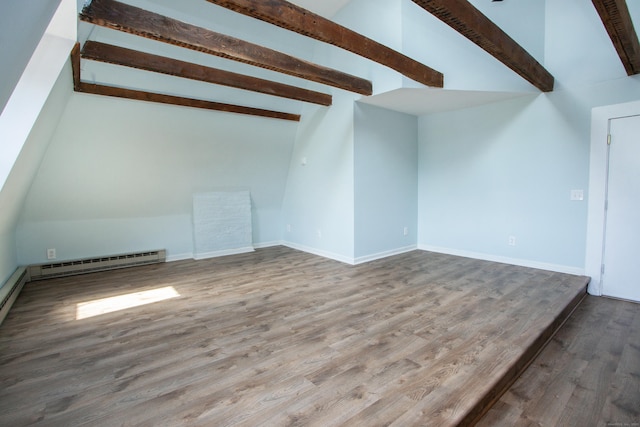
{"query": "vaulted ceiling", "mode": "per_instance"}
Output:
(202, 44)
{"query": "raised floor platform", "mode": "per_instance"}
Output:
(278, 337)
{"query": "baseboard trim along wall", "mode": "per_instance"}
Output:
(13, 293)
(385, 254)
(319, 252)
(349, 260)
(505, 260)
(267, 244)
(11, 289)
(180, 257)
(225, 252)
(189, 255)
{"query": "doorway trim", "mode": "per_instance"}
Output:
(600, 125)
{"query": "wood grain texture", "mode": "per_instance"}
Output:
(617, 20)
(133, 20)
(97, 51)
(295, 18)
(75, 66)
(139, 95)
(588, 375)
(463, 17)
(276, 337)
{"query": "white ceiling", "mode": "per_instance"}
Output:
(410, 100)
(415, 101)
(419, 101)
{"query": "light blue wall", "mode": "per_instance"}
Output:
(379, 20)
(386, 180)
(507, 169)
(14, 192)
(465, 65)
(8, 257)
(578, 51)
(119, 176)
(318, 202)
(363, 16)
(503, 170)
(21, 27)
(318, 209)
(523, 21)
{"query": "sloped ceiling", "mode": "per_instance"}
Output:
(326, 8)
(416, 100)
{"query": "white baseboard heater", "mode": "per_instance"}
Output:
(12, 287)
(90, 265)
(9, 292)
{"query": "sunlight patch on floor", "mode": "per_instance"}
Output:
(97, 307)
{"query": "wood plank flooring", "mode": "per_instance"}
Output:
(279, 337)
(588, 375)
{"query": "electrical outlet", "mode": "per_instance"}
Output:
(577, 195)
(51, 253)
(289, 228)
(512, 240)
(406, 231)
(319, 234)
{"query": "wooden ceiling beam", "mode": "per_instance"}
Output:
(133, 20)
(295, 18)
(75, 66)
(471, 23)
(97, 51)
(617, 20)
(138, 95)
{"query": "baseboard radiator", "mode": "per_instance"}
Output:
(9, 292)
(91, 265)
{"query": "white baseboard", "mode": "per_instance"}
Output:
(179, 257)
(319, 252)
(267, 244)
(505, 260)
(215, 254)
(368, 258)
(385, 254)
(10, 290)
(190, 255)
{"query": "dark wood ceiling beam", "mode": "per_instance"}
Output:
(145, 61)
(617, 20)
(138, 95)
(302, 21)
(75, 66)
(133, 20)
(471, 23)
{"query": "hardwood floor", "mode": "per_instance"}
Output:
(279, 337)
(588, 375)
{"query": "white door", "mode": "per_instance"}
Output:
(621, 278)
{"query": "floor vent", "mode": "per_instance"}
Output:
(90, 265)
(9, 292)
